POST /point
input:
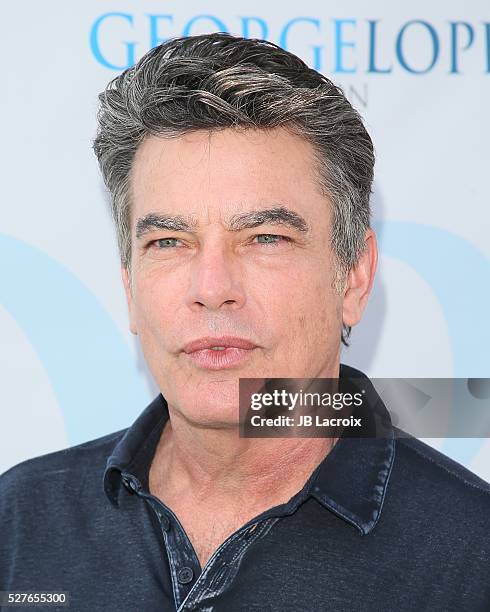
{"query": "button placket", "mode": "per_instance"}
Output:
(212, 575)
(180, 554)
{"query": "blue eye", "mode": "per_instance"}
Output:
(163, 243)
(272, 238)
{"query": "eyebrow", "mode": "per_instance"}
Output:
(158, 221)
(279, 215)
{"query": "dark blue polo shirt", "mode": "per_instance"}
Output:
(381, 524)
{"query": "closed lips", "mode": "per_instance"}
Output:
(218, 344)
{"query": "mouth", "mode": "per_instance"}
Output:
(219, 353)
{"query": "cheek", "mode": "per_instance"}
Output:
(310, 311)
(153, 312)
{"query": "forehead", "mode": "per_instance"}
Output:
(225, 171)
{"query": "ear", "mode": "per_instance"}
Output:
(360, 281)
(129, 299)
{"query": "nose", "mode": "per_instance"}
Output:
(215, 279)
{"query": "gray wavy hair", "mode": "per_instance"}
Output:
(216, 81)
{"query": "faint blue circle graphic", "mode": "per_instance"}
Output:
(89, 365)
(459, 275)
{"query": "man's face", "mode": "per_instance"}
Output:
(226, 271)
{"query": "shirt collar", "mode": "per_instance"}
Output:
(351, 481)
(353, 478)
(134, 451)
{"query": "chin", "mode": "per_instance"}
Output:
(215, 402)
(210, 414)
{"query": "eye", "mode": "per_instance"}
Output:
(163, 243)
(272, 239)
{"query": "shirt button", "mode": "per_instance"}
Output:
(164, 522)
(185, 575)
(131, 484)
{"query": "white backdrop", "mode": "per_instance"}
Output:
(418, 72)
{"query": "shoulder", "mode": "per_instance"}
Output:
(49, 471)
(432, 476)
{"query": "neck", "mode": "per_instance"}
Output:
(215, 465)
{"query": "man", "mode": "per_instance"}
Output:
(240, 183)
